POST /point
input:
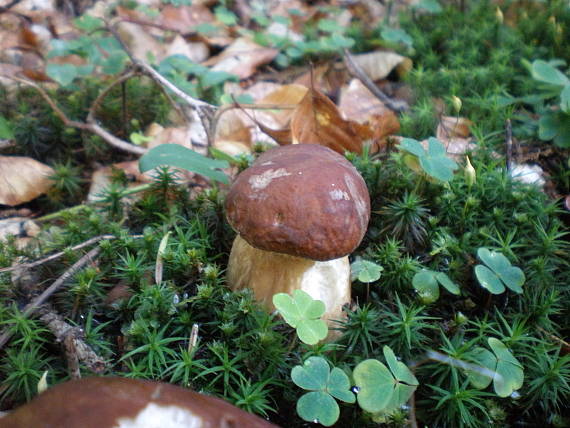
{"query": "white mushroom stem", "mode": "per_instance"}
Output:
(268, 273)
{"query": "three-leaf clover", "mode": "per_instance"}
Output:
(318, 405)
(498, 272)
(380, 388)
(434, 160)
(426, 282)
(499, 366)
(303, 313)
(365, 271)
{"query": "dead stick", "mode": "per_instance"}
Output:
(509, 143)
(40, 300)
(356, 71)
(57, 255)
(72, 339)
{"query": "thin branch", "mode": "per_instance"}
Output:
(57, 255)
(41, 299)
(509, 144)
(9, 6)
(75, 347)
(356, 71)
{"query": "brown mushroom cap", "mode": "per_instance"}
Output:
(304, 200)
(113, 402)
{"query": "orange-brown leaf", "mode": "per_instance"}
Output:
(316, 120)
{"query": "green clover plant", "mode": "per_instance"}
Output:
(318, 405)
(365, 271)
(498, 272)
(426, 283)
(381, 388)
(433, 161)
(499, 366)
(303, 313)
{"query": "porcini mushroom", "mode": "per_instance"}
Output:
(299, 210)
(113, 402)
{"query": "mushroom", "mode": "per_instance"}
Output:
(299, 210)
(114, 402)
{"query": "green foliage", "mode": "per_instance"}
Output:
(381, 389)
(182, 157)
(325, 385)
(365, 271)
(433, 161)
(426, 283)
(498, 272)
(303, 313)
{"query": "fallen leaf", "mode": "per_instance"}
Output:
(194, 51)
(453, 127)
(242, 58)
(22, 179)
(358, 103)
(378, 65)
(316, 120)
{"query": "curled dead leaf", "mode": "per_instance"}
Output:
(453, 127)
(316, 120)
(22, 179)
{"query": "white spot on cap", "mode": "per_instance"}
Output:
(156, 416)
(261, 181)
(338, 195)
(361, 206)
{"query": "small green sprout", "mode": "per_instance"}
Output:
(433, 161)
(303, 313)
(426, 283)
(318, 405)
(498, 272)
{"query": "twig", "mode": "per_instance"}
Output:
(509, 144)
(560, 341)
(75, 347)
(356, 71)
(9, 6)
(5, 144)
(204, 110)
(40, 300)
(57, 255)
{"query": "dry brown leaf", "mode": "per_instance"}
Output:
(22, 179)
(326, 78)
(378, 65)
(101, 178)
(232, 128)
(316, 120)
(453, 127)
(174, 135)
(358, 103)
(242, 58)
(286, 95)
(140, 42)
(185, 18)
(195, 51)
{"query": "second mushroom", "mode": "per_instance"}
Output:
(299, 210)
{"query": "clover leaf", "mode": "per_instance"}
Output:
(434, 160)
(481, 374)
(365, 271)
(382, 389)
(318, 405)
(509, 374)
(303, 313)
(498, 272)
(426, 282)
(499, 366)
